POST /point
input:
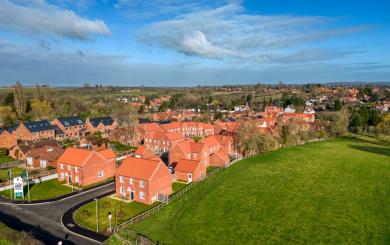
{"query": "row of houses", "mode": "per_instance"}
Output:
(58, 129)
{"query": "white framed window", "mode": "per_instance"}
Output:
(29, 160)
(100, 174)
(61, 166)
(141, 183)
(141, 195)
(76, 179)
(62, 175)
(122, 190)
(69, 167)
(76, 169)
(131, 181)
(121, 179)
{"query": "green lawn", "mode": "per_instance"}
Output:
(86, 215)
(15, 172)
(6, 159)
(178, 186)
(45, 190)
(331, 192)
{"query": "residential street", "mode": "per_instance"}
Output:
(43, 221)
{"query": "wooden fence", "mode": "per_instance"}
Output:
(12, 164)
(157, 208)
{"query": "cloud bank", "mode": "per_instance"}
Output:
(227, 33)
(40, 17)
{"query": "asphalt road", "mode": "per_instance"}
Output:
(43, 221)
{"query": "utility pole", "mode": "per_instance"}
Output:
(28, 186)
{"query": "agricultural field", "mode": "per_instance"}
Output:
(331, 192)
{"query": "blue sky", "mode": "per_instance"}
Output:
(189, 43)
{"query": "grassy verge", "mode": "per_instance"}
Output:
(331, 192)
(6, 159)
(9, 236)
(41, 191)
(210, 168)
(120, 210)
(15, 172)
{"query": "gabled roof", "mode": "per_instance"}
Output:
(13, 128)
(71, 121)
(58, 130)
(38, 126)
(138, 168)
(106, 121)
(107, 153)
(211, 141)
(148, 127)
(188, 166)
(75, 156)
(174, 136)
(1, 131)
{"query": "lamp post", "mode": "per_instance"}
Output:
(109, 221)
(97, 216)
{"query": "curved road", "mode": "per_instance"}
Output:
(43, 220)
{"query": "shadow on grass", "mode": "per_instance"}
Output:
(376, 150)
(368, 139)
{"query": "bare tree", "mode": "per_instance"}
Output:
(20, 100)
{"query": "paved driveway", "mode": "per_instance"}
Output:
(43, 221)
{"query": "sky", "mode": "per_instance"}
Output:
(190, 43)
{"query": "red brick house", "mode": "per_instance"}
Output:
(227, 142)
(309, 118)
(104, 125)
(189, 170)
(212, 143)
(33, 131)
(71, 127)
(43, 157)
(142, 180)
(143, 152)
(21, 149)
(196, 129)
(189, 150)
(7, 140)
(161, 142)
(147, 127)
(219, 158)
(85, 167)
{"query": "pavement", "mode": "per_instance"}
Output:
(44, 220)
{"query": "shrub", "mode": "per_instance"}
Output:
(3, 152)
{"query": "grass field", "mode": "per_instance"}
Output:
(86, 215)
(332, 192)
(45, 190)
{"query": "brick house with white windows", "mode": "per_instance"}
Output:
(143, 180)
(160, 142)
(190, 150)
(85, 167)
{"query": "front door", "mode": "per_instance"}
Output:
(43, 163)
(132, 195)
(189, 177)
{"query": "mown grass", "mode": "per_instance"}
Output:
(44, 190)
(332, 192)
(14, 171)
(120, 210)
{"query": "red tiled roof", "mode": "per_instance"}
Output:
(188, 166)
(138, 168)
(107, 153)
(174, 136)
(211, 141)
(75, 156)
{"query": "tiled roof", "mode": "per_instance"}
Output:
(71, 121)
(75, 156)
(107, 121)
(211, 141)
(174, 136)
(138, 168)
(38, 126)
(187, 166)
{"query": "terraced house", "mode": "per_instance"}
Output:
(69, 127)
(143, 180)
(33, 131)
(85, 167)
(190, 150)
(7, 140)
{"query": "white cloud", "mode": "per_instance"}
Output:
(38, 16)
(226, 32)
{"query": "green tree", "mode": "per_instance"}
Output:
(337, 105)
(20, 100)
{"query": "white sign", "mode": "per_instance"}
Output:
(18, 187)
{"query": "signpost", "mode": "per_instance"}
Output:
(25, 175)
(18, 187)
(10, 181)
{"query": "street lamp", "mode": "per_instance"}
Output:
(109, 221)
(97, 216)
